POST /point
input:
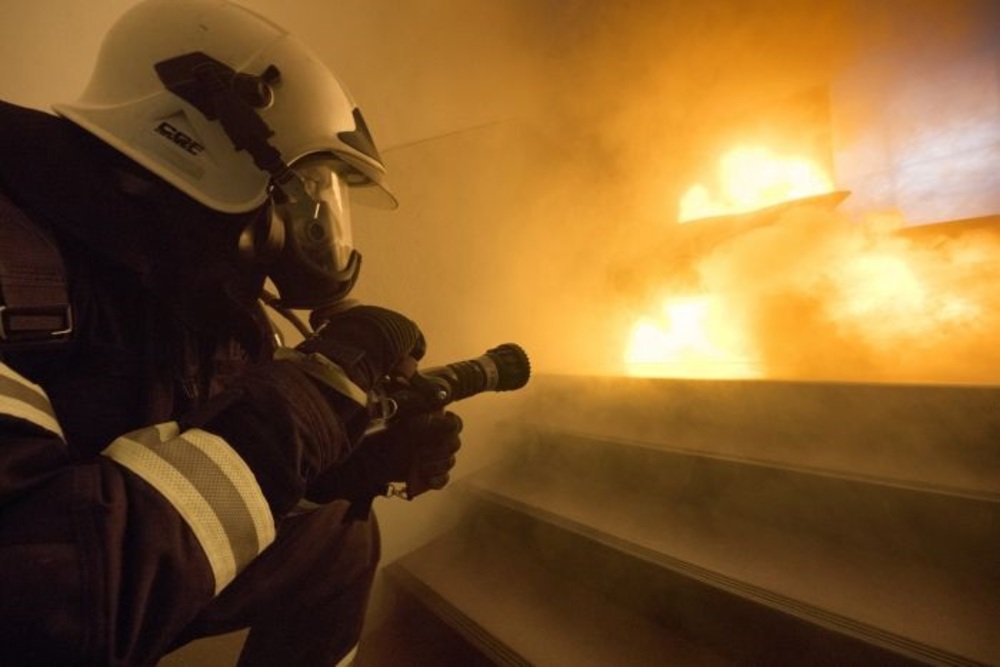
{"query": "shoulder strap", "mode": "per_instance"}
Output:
(34, 296)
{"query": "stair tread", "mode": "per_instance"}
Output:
(862, 593)
(543, 619)
(927, 435)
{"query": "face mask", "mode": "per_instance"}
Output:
(317, 264)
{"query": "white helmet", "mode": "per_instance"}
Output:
(299, 108)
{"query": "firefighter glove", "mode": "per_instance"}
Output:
(367, 342)
(418, 450)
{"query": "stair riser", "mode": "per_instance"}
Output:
(740, 628)
(920, 526)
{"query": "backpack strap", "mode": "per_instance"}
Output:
(34, 293)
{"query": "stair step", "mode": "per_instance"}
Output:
(931, 436)
(925, 525)
(645, 521)
(518, 612)
(941, 608)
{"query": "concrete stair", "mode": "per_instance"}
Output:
(661, 522)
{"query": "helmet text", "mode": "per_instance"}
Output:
(181, 139)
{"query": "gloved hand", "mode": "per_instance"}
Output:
(419, 450)
(292, 424)
(368, 342)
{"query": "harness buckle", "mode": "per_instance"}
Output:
(35, 324)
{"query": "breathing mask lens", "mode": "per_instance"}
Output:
(321, 228)
(318, 262)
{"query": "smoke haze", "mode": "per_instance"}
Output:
(824, 298)
(631, 103)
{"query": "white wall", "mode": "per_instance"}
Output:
(47, 48)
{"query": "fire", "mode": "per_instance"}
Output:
(813, 294)
(886, 299)
(693, 336)
(689, 339)
(751, 178)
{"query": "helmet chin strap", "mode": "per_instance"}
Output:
(232, 98)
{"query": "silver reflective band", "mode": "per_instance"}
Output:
(23, 399)
(209, 485)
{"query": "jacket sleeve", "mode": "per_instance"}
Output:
(104, 561)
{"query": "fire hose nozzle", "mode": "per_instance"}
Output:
(502, 368)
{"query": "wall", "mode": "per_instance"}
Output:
(917, 119)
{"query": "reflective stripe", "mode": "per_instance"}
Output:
(209, 485)
(22, 398)
(348, 659)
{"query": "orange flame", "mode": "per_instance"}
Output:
(815, 295)
(688, 339)
(752, 178)
(695, 337)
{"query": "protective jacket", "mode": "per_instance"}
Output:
(148, 459)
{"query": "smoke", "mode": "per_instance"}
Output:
(641, 96)
(821, 297)
(626, 98)
(540, 149)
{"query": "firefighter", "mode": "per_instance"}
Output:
(169, 470)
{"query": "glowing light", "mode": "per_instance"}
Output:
(814, 294)
(884, 297)
(693, 337)
(751, 178)
(687, 340)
